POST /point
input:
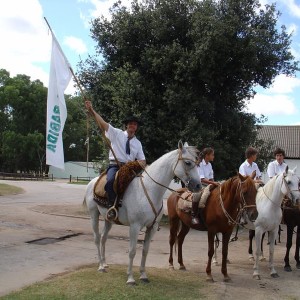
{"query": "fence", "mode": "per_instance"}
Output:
(80, 179)
(25, 176)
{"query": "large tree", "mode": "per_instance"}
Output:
(187, 68)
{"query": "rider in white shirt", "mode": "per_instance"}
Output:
(277, 166)
(249, 165)
(206, 175)
(124, 143)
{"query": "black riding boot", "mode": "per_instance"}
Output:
(195, 219)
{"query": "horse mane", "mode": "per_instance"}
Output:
(227, 185)
(266, 189)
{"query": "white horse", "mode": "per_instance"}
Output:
(268, 203)
(142, 206)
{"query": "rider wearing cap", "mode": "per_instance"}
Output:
(124, 144)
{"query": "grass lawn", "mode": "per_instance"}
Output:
(6, 189)
(87, 283)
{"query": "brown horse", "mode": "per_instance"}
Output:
(224, 206)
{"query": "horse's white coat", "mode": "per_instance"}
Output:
(268, 203)
(136, 211)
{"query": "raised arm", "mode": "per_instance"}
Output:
(99, 120)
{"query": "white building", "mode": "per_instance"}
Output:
(285, 137)
(75, 169)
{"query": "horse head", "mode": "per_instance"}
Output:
(248, 196)
(291, 185)
(186, 166)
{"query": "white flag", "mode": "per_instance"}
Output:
(60, 76)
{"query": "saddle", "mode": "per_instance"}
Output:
(185, 202)
(123, 178)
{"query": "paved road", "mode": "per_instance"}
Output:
(23, 263)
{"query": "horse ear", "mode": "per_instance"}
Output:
(242, 178)
(294, 170)
(180, 145)
(253, 175)
(286, 170)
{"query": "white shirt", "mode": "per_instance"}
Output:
(246, 169)
(118, 139)
(274, 168)
(205, 170)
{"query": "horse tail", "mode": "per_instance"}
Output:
(84, 204)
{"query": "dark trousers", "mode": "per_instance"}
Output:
(109, 187)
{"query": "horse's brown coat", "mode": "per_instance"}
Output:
(214, 216)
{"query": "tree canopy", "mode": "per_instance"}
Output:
(187, 68)
(23, 126)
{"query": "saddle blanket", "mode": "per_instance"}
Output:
(185, 202)
(122, 180)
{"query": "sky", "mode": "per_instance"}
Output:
(26, 46)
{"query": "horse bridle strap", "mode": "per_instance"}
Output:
(151, 203)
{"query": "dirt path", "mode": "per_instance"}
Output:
(42, 213)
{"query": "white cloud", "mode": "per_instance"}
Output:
(284, 85)
(293, 7)
(25, 41)
(272, 105)
(76, 44)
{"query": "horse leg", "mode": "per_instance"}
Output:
(279, 234)
(262, 257)
(181, 236)
(250, 249)
(289, 241)
(258, 238)
(210, 236)
(297, 248)
(174, 225)
(94, 213)
(225, 242)
(104, 234)
(147, 240)
(133, 236)
(215, 257)
(272, 236)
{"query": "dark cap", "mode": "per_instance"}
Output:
(132, 119)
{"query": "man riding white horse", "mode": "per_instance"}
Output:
(126, 147)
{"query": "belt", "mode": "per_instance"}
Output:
(113, 162)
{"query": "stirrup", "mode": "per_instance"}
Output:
(195, 221)
(114, 211)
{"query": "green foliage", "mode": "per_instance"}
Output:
(23, 126)
(187, 69)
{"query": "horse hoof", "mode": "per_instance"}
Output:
(102, 270)
(131, 283)
(215, 263)
(227, 279)
(209, 279)
(262, 258)
(274, 275)
(251, 258)
(182, 268)
(257, 277)
(288, 269)
(106, 266)
(144, 280)
(171, 268)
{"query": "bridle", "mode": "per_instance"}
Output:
(289, 191)
(243, 206)
(196, 162)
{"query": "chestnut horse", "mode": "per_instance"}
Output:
(224, 207)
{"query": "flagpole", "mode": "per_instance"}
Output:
(84, 98)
